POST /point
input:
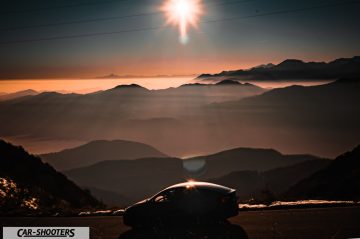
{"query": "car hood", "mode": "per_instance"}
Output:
(140, 203)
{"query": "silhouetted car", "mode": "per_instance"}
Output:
(190, 202)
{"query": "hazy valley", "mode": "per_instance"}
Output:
(130, 142)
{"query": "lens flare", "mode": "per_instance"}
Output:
(183, 13)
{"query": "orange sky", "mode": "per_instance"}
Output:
(230, 36)
(149, 67)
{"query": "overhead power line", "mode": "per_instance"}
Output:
(92, 3)
(102, 19)
(74, 5)
(280, 12)
(84, 35)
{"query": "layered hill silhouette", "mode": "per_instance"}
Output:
(137, 179)
(238, 159)
(11, 96)
(124, 90)
(209, 93)
(260, 185)
(338, 181)
(100, 150)
(310, 116)
(293, 69)
(36, 184)
(323, 179)
(197, 119)
(128, 111)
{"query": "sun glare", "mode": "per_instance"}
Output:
(183, 13)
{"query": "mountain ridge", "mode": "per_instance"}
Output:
(47, 188)
(259, 159)
(100, 150)
(128, 177)
(294, 69)
(18, 94)
(258, 186)
(338, 181)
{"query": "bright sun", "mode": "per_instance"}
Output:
(183, 13)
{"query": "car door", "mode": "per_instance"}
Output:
(164, 205)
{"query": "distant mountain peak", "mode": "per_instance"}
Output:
(346, 60)
(100, 150)
(30, 91)
(229, 82)
(294, 69)
(131, 86)
(263, 66)
(18, 94)
(290, 63)
(193, 85)
(110, 76)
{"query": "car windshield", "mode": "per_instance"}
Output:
(165, 196)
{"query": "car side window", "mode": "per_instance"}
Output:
(165, 196)
(160, 198)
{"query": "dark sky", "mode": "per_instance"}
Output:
(316, 34)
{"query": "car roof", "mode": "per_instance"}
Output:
(202, 185)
